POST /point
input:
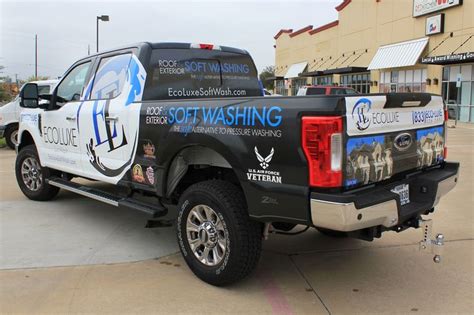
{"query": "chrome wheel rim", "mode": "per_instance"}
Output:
(31, 174)
(206, 235)
(14, 137)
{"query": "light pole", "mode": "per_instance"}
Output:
(104, 18)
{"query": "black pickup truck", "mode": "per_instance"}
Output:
(184, 129)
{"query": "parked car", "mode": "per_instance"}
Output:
(10, 113)
(325, 90)
(182, 129)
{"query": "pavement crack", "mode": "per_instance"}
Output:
(302, 275)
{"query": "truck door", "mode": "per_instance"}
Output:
(60, 147)
(109, 116)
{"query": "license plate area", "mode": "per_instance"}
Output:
(404, 192)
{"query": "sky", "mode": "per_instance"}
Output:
(66, 28)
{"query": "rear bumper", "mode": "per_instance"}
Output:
(378, 206)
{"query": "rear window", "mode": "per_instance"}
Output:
(200, 73)
(315, 91)
(343, 91)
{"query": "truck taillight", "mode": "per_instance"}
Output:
(322, 145)
(205, 46)
(445, 149)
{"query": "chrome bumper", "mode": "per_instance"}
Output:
(346, 217)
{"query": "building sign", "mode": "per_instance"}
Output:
(422, 7)
(448, 59)
(435, 24)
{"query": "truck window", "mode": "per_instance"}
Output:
(70, 88)
(110, 77)
(315, 91)
(200, 73)
(338, 92)
(43, 89)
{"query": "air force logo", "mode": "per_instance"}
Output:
(264, 162)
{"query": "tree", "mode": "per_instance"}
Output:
(266, 75)
(4, 93)
(39, 78)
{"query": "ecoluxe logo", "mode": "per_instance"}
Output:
(364, 116)
(360, 113)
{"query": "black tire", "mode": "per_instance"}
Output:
(331, 233)
(44, 191)
(11, 136)
(242, 236)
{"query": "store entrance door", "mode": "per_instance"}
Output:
(465, 93)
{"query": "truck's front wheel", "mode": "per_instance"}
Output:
(218, 240)
(31, 176)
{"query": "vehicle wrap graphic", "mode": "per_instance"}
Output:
(375, 158)
(370, 115)
(109, 121)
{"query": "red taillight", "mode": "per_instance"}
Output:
(445, 151)
(205, 46)
(322, 145)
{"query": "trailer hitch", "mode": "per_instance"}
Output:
(428, 245)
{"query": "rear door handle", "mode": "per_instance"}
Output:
(71, 118)
(111, 118)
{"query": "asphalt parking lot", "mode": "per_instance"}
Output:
(75, 255)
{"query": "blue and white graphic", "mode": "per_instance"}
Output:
(109, 115)
(360, 113)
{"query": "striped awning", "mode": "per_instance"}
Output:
(402, 54)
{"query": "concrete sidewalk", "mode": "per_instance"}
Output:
(110, 263)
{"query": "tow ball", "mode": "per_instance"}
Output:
(428, 245)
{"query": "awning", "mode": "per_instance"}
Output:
(274, 78)
(452, 50)
(345, 70)
(311, 74)
(402, 54)
(295, 70)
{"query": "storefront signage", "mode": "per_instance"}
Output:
(422, 7)
(435, 24)
(448, 59)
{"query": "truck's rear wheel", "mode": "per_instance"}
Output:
(31, 176)
(11, 136)
(218, 240)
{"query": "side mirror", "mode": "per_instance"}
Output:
(29, 95)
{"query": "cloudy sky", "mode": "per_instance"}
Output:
(66, 28)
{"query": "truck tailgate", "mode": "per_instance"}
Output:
(391, 134)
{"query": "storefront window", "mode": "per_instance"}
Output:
(359, 82)
(296, 84)
(403, 81)
(323, 80)
(464, 94)
(280, 87)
